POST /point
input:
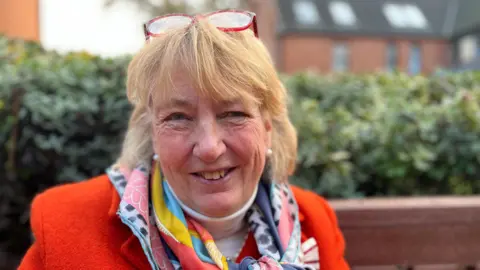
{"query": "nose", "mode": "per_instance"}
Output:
(209, 144)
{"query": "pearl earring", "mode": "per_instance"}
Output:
(269, 152)
(155, 157)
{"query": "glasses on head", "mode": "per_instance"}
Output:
(225, 20)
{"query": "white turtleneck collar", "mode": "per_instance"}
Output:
(222, 227)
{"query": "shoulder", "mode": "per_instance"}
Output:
(66, 198)
(66, 208)
(311, 203)
(314, 211)
(76, 226)
(71, 217)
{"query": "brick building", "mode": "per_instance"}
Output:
(325, 35)
(370, 35)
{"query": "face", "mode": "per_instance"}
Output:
(211, 152)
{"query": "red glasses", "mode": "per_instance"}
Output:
(225, 20)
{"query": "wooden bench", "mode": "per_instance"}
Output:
(411, 233)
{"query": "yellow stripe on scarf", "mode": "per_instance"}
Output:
(216, 255)
(173, 225)
(194, 234)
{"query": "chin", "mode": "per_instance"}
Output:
(218, 208)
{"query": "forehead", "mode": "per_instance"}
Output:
(189, 97)
(183, 91)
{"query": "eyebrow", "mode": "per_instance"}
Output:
(175, 102)
(228, 103)
(180, 102)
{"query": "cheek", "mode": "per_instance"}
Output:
(248, 142)
(173, 153)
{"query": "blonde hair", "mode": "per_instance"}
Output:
(221, 65)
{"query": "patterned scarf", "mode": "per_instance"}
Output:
(173, 240)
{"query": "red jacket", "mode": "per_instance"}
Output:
(76, 227)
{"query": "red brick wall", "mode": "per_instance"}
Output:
(436, 54)
(300, 52)
(367, 54)
(304, 52)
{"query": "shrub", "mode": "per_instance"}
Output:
(62, 118)
(387, 134)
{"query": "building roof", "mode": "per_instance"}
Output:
(467, 18)
(422, 18)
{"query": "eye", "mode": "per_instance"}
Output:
(234, 114)
(176, 117)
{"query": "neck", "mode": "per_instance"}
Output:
(220, 227)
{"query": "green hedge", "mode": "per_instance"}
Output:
(387, 134)
(62, 118)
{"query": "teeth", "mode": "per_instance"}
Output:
(213, 175)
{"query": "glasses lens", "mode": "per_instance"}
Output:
(230, 19)
(168, 23)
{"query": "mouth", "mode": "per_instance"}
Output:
(214, 176)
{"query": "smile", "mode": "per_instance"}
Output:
(214, 175)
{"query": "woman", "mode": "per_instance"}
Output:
(201, 181)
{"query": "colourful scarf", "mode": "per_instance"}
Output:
(173, 240)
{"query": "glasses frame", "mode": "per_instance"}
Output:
(194, 19)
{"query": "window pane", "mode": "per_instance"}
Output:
(392, 57)
(340, 57)
(306, 12)
(467, 48)
(405, 16)
(415, 59)
(342, 13)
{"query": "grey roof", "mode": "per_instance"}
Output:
(446, 18)
(467, 18)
